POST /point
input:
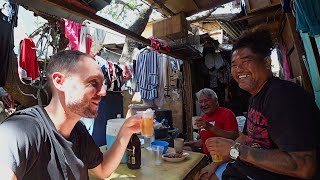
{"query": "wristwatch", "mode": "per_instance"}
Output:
(234, 151)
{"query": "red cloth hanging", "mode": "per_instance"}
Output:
(28, 63)
(72, 32)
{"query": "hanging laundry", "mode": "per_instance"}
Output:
(72, 32)
(163, 76)
(85, 39)
(147, 74)
(118, 82)
(286, 63)
(129, 84)
(104, 65)
(166, 74)
(98, 37)
(28, 63)
(100, 61)
(113, 75)
(126, 73)
(6, 41)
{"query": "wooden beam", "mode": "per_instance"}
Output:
(164, 7)
(197, 6)
(187, 100)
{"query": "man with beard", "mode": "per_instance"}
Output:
(51, 143)
(215, 122)
(279, 139)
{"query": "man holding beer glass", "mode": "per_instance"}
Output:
(215, 122)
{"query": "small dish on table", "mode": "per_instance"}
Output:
(175, 157)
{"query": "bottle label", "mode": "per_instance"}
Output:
(133, 160)
(131, 155)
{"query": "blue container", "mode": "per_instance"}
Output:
(161, 143)
(112, 129)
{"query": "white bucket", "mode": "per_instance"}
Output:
(112, 130)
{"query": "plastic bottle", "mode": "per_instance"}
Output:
(134, 152)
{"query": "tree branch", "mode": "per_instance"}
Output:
(125, 4)
(122, 10)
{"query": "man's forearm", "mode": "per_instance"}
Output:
(222, 133)
(297, 164)
(112, 158)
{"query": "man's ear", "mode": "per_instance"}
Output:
(58, 79)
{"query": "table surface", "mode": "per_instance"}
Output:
(185, 169)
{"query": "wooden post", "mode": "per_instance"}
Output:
(187, 100)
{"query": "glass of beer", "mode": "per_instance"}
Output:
(216, 158)
(146, 123)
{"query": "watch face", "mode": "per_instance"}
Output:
(234, 153)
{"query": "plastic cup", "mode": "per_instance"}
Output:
(216, 158)
(146, 123)
(157, 153)
(194, 121)
(178, 145)
(147, 142)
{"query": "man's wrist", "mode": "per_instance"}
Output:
(208, 126)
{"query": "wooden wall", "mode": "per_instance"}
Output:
(292, 42)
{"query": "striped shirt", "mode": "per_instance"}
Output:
(147, 74)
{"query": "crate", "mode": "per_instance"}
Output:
(175, 27)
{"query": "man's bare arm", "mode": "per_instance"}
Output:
(299, 164)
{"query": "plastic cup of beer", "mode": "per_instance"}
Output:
(216, 158)
(146, 123)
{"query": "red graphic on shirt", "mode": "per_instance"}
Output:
(257, 124)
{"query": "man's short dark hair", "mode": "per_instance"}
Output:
(64, 61)
(258, 40)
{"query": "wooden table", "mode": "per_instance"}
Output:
(186, 169)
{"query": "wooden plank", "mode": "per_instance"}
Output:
(179, 6)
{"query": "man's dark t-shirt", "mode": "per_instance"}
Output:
(33, 149)
(281, 116)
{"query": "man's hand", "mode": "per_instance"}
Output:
(202, 123)
(208, 171)
(219, 146)
(132, 124)
(8, 100)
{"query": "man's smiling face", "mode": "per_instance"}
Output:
(249, 70)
